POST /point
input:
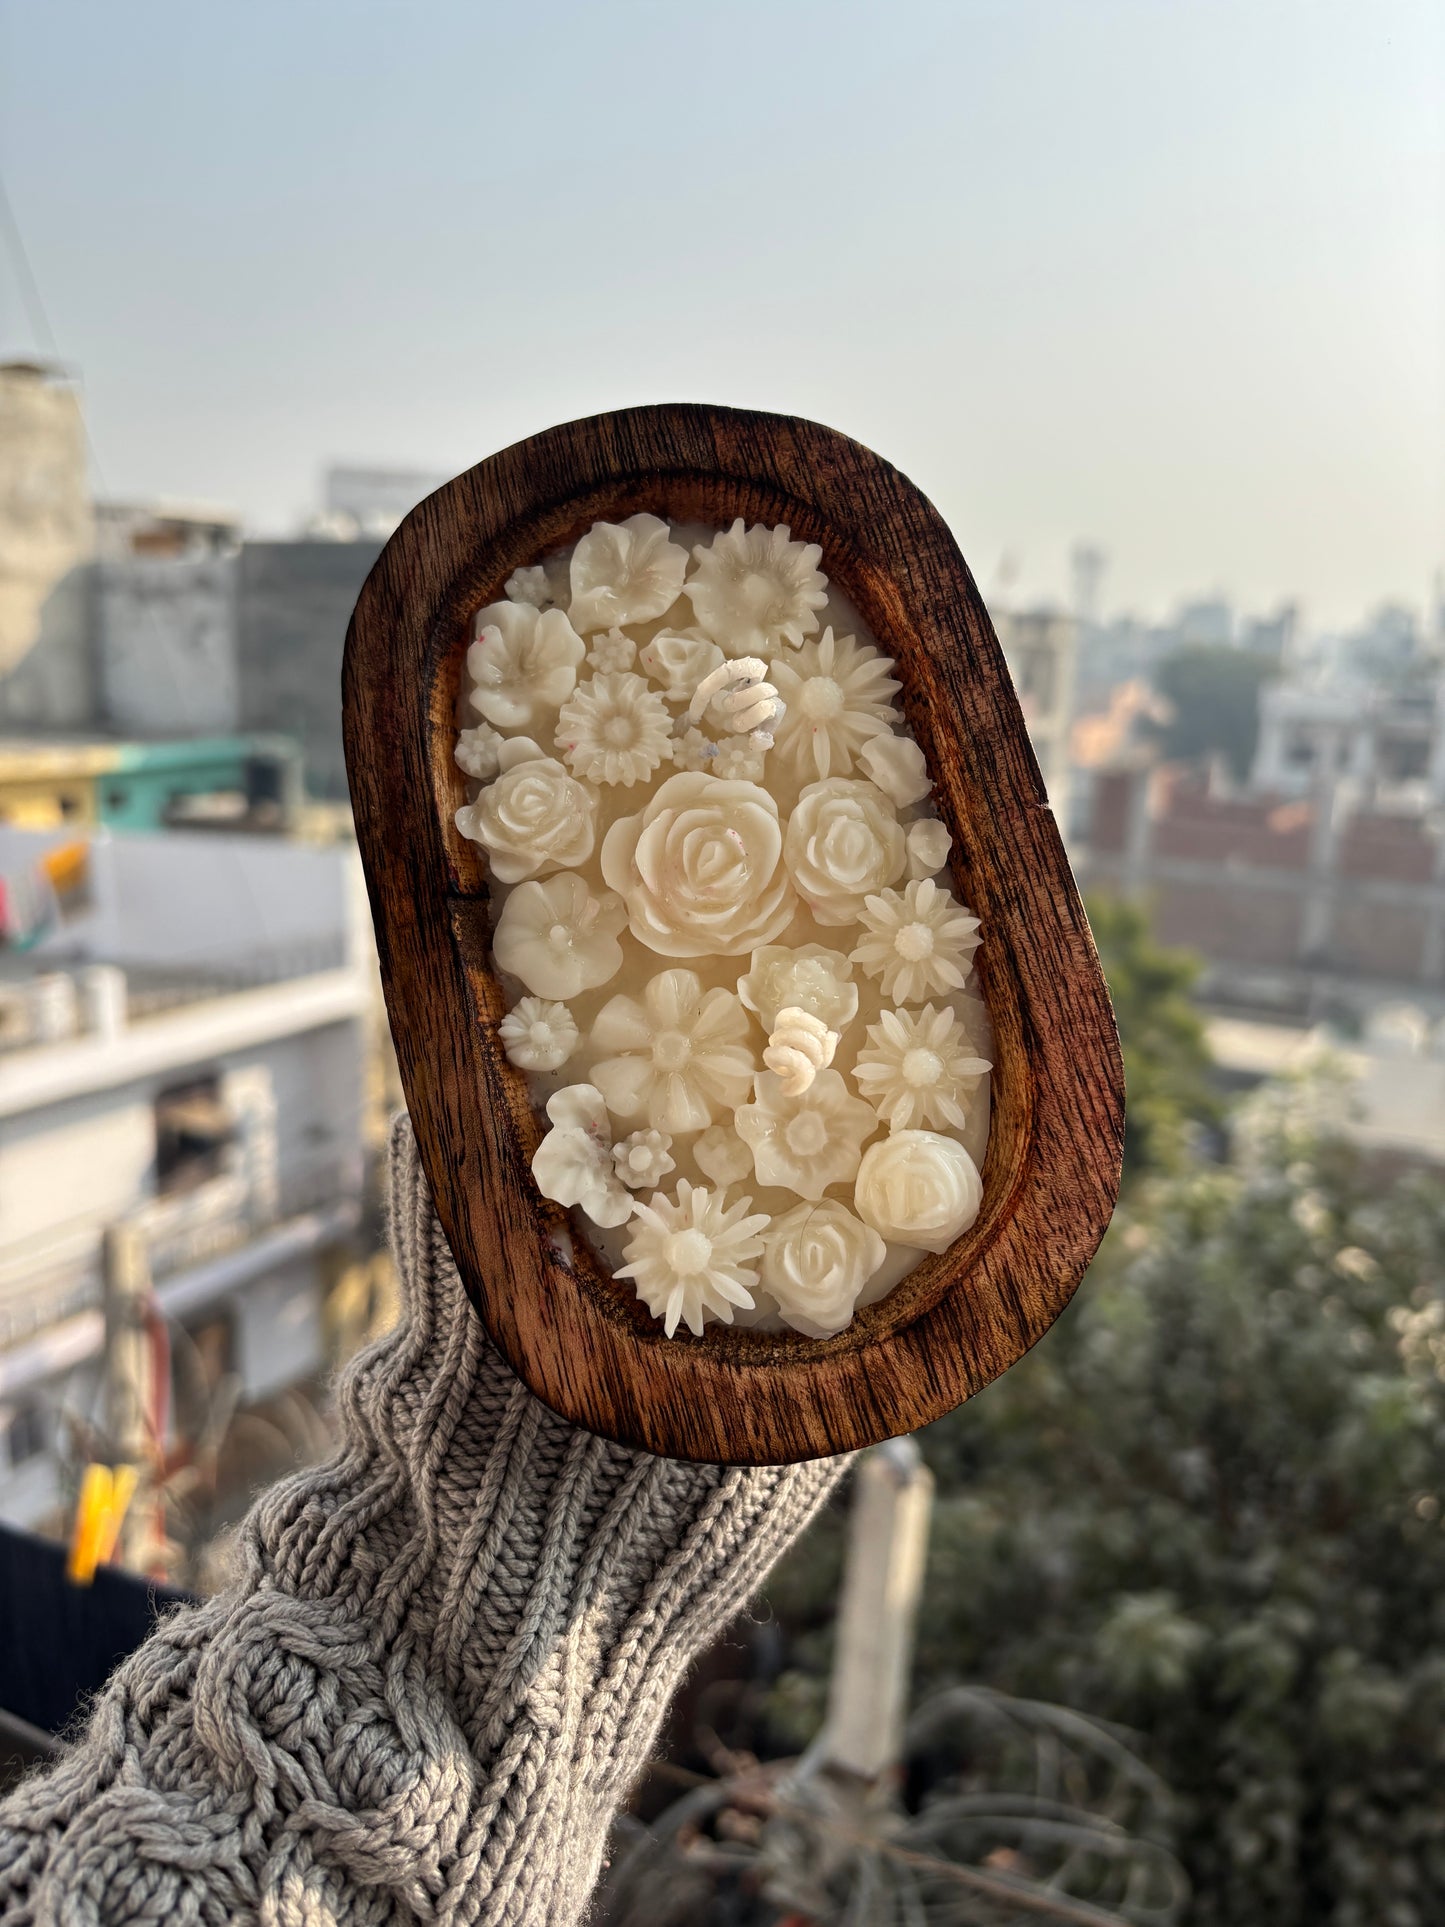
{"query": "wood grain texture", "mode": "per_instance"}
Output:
(580, 1340)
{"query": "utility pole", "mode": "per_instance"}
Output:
(130, 1390)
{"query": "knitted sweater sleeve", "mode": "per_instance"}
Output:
(441, 1669)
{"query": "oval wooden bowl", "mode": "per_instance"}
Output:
(578, 1339)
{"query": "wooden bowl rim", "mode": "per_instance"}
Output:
(577, 1338)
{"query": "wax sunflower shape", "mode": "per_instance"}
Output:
(611, 651)
(896, 764)
(625, 572)
(919, 1069)
(838, 696)
(755, 590)
(720, 1154)
(559, 938)
(805, 1142)
(812, 978)
(614, 729)
(928, 846)
(920, 941)
(534, 818)
(644, 1159)
(678, 1058)
(692, 1257)
(843, 843)
(538, 1035)
(523, 664)
(477, 752)
(573, 1165)
(700, 868)
(918, 1188)
(816, 1260)
(679, 662)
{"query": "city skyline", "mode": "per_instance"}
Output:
(1170, 281)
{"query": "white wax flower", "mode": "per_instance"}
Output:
(534, 818)
(612, 651)
(738, 697)
(806, 1142)
(813, 978)
(614, 729)
(721, 1155)
(816, 1260)
(573, 1163)
(558, 938)
(918, 1188)
(920, 941)
(896, 764)
(690, 1258)
(538, 1036)
(755, 590)
(694, 752)
(700, 868)
(625, 572)
(644, 1159)
(477, 750)
(523, 664)
(928, 846)
(843, 843)
(679, 662)
(739, 760)
(799, 1046)
(531, 585)
(678, 1058)
(837, 693)
(918, 1068)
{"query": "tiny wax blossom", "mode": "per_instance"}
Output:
(720, 1154)
(805, 1142)
(928, 843)
(918, 1068)
(531, 585)
(539, 1036)
(477, 751)
(613, 650)
(756, 590)
(625, 572)
(693, 751)
(692, 1257)
(522, 664)
(679, 663)
(739, 760)
(644, 1159)
(614, 729)
(896, 765)
(558, 938)
(920, 941)
(573, 1163)
(838, 696)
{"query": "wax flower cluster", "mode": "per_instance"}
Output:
(739, 977)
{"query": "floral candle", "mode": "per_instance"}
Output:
(739, 980)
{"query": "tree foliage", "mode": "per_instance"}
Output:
(1213, 691)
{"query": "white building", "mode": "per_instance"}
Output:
(182, 1071)
(1386, 745)
(1040, 646)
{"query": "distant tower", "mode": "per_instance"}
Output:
(1087, 564)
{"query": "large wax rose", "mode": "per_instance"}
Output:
(535, 818)
(700, 869)
(844, 844)
(918, 1188)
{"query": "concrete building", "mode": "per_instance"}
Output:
(1039, 646)
(1387, 745)
(46, 540)
(183, 1071)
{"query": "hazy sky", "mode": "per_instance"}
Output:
(1168, 274)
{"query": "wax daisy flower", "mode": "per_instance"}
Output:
(558, 938)
(538, 1035)
(694, 752)
(691, 1258)
(805, 1142)
(477, 750)
(720, 1154)
(534, 817)
(573, 1164)
(523, 664)
(920, 941)
(844, 841)
(739, 760)
(918, 1068)
(918, 1188)
(816, 1260)
(644, 1159)
(625, 572)
(814, 979)
(680, 662)
(838, 695)
(678, 1058)
(755, 589)
(614, 729)
(612, 651)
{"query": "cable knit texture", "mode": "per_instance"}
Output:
(441, 1670)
